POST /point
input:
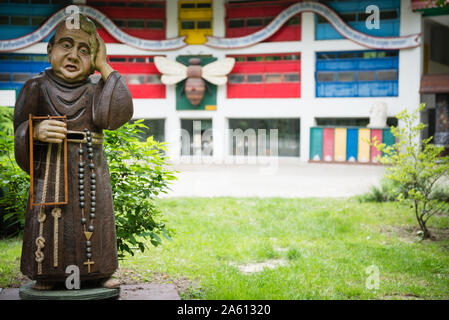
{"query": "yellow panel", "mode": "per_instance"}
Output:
(340, 144)
(196, 16)
(364, 146)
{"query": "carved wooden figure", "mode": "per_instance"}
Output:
(82, 231)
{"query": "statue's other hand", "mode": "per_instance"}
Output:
(51, 131)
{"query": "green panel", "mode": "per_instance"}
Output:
(210, 96)
(316, 143)
(387, 138)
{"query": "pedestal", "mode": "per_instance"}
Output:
(26, 292)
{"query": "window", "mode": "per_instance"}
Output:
(19, 20)
(243, 142)
(188, 25)
(21, 58)
(117, 59)
(353, 13)
(20, 77)
(273, 58)
(257, 22)
(195, 20)
(357, 73)
(155, 24)
(4, 20)
(136, 4)
(5, 77)
(366, 76)
(265, 76)
(273, 78)
(154, 127)
(236, 78)
(154, 79)
(136, 24)
(325, 76)
(136, 59)
(346, 76)
(136, 79)
(387, 75)
(254, 78)
(37, 21)
(234, 23)
(291, 77)
(119, 22)
(203, 25)
(40, 58)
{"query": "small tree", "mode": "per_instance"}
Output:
(416, 168)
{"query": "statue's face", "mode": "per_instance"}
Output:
(70, 54)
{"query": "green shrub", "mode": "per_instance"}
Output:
(14, 186)
(417, 168)
(387, 191)
(139, 173)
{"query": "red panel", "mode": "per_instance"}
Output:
(267, 66)
(261, 10)
(140, 33)
(133, 13)
(142, 91)
(285, 33)
(256, 9)
(128, 67)
(328, 144)
(266, 90)
(374, 152)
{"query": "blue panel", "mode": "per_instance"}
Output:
(10, 31)
(352, 140)
(355, 61)
(333, 89)
(388, 27)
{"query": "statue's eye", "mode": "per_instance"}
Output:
(66, 45)
(84, 51)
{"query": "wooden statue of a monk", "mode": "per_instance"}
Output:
(85, 232)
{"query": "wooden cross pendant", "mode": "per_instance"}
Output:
(88, 263)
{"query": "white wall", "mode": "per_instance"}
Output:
(307, 108)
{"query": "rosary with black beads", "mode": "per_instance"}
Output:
(82, 195)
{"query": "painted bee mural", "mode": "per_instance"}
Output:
(174, 72)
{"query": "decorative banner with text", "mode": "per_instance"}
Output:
(42, 32)
(345, 30)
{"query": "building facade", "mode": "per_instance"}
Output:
(309, 80)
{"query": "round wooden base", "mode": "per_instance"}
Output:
(26, 292)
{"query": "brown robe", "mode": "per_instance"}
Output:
(95, 106)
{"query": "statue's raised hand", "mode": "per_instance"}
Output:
(101, 63)
(51, 131)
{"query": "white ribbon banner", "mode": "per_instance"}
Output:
(42, 32)
(346, 31)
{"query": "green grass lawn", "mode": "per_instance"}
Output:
(326, 246)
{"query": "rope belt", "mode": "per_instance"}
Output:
(80, 137)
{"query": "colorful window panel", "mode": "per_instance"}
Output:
(142, 19)
(265, 76)
(354, 14)
(357, 74)
(141, 75)
(247, 17)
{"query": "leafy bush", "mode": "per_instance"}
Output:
(417, 168)
(139, 173)
(387, 191)
(14, 183)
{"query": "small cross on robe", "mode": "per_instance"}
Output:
(88, 263)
